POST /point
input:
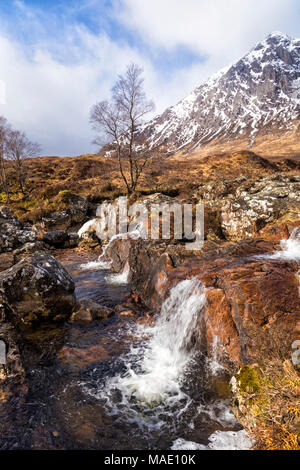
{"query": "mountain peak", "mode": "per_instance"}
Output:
(278, 35)
(256, 96)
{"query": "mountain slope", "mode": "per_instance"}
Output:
(257, 96)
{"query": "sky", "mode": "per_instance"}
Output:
(59, 57)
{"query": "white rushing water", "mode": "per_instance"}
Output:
(85, 228)
(157, 362)
(163, 359)
(290, 249)
(212, 362)
(119, 278)
(219, 440)
(103, 262)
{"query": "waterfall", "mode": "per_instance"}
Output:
(85, 227)
(219, 440)
(103, 262)
(290, 249)
(119, 278)
(155, 368)
(213, 364)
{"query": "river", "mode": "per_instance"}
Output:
(119, 384)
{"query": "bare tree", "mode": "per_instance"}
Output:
(118, 120)
(19, 148)
(4, 129)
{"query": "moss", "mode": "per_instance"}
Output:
(65, 195)
(3, 198)
(266, 403)
(28, 205)
(250, 379)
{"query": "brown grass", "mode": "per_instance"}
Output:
(98, 178)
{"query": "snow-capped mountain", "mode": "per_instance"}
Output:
(253, 97)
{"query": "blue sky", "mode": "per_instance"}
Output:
(58, 57)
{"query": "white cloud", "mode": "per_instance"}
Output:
(51, 100)
(215, 28)
(52, 81)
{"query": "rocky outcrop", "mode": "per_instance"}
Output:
(241, 208)
(13, 233)
(252, 303)
(61, 239)
(75, 213)
(37, 288)
(264, 202)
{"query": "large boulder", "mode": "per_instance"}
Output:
(61, 239)
(13, 233)
(37, 288)
(241, 208)
(75, 212)
(266, 201)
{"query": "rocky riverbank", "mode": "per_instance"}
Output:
(252, 313)
(251, 317)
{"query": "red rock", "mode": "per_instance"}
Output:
(78, 358)
(82, 316)
(252, 303)
(127, 313)
(87, 311)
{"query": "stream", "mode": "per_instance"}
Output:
(116, 384)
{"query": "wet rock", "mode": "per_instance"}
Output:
(13, 233)
(147, 320)
(127, 313)
(56, 238)
(78, 358)
(37, 288)
(82, 316)
(121, 308)
(73, 240)
(29, 249)
(87, 311)
(252, 308)
(61, 239)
